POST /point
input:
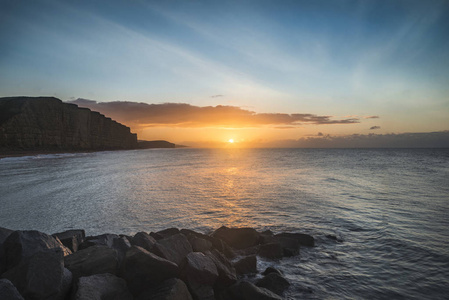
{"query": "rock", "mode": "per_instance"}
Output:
(121, 245)
(200, 274)
(303, 239)
(245, 290)
(226, 272)
(106, 239)
(273, 282)
(176, 247)
(271, 251)
(238, 238)
(23, 244)
(4, 233)
(271, 270)
(246, 265)
(170, 289)
(164, 233)
(248, 251)
(71, 238)
(102, 287)
(290, 246)
(8, 291)
(41, 276)
(199, 244)
(91, 261)
(142, 269)
(144, 240)
(216, 243)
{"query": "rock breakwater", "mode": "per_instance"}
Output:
(168, 264)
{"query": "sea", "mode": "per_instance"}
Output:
(380, 217)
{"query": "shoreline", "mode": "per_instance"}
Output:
(183, 264)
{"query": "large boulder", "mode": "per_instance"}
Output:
(102, 287)
(199, 244)
(176, 247)
(21, 245)
(303, 239)
(106, 239)
(8, 291)
(91, 261)
(4, 233)
(41, 276)
(238, 238)
(170, 289)
(226, 272)
(200, 274)
(245, 290)
(164, 233)
(217, 243)
(273, 282)
(271, 250)
(142, 269)
(246, 265)
(144, 240)
(71, 238)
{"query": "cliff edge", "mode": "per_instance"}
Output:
(47, 123)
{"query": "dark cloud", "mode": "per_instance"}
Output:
(372, 117)
(374, 127)
(216, 96)
(439, 139)
(186, 115)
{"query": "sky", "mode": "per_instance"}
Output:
(206, 72)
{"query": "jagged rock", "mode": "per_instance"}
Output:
(91, 261)
(41, 276)
(245, 290)
(121, 245)
(200, 274)
(49, 124)
(199, 244)
(164, 233)
(144, 240)
(106, 239)
(272, 250)
(218, 244)
(4, 233)
(303, 239)
(142, 269)
(102, 287)
(248, 251)
(71, 238)
(271, 270)
(8, 291)
(238, 238)
(175, 247)
(23, 244)
(246, 265)
(170, 289)
(273, 282)
(226, 272)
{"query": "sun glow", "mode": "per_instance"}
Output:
(231, 141)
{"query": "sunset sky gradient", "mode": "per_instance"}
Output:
(252, 71)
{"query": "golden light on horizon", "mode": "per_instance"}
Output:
(231, 141)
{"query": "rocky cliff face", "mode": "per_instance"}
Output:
(46, 123)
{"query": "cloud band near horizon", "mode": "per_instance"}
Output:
(187, 115)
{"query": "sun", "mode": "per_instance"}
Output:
(231, 141)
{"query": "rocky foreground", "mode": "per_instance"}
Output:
(169, 264)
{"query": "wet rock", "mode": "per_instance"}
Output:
(144, 240)
(271, 270)
(91, 261)
(199, 244)
(303, 239)
(246, 265)
(248, 251)
(273, 282)
(200, 274)
(106, 239)
(142, 269)
(226, 272)
(71, 238)
(245, 290)
(102, 287)
(41, 276)
(21, 245)
(271, 251)
(171, 289)
(8, 291)
(290, 246)
(176, 247)
(217, 243)
(164, 233)
(238, 238)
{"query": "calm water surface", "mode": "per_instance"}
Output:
(388, 208)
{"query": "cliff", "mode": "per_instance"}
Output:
(155, 144)
(46, 123)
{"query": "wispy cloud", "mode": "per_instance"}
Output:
(372, 117)
(374, 127)
(187, 115)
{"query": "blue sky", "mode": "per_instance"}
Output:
(333, 58)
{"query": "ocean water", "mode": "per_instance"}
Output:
(388, 208)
